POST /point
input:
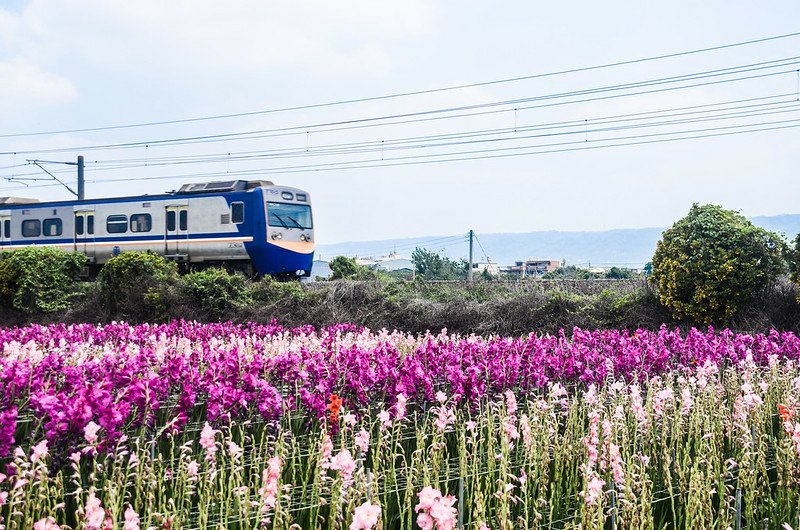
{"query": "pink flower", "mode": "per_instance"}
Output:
(441, 397)
(510, 428)
(427, 497)
(365, 517)
(90, 432)
(594, 489)
(362, 440)
(400, 406)
(39, 451)
(385, 419)
(46, 524)
(444, 514)
(327, 448)
(445, 418)
(93, 511)
(207, 441)
(511, 402)
(425, 521)
(349, 419)
(192, 469)
(343, 462)
(131, 519)
(269, 487)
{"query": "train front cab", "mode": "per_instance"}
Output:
(288, 249)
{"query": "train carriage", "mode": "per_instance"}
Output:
(253, 226)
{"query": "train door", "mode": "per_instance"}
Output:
(176, 232)
(5, 228)
(84, 233)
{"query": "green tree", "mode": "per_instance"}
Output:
(344, 268)
(616, 273)
(432, 266)
(570, 272)
(39, 278)
(711, 262)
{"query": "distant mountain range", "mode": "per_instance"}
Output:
(631, 247)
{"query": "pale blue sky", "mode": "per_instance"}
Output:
(90, 63)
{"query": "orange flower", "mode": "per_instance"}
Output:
(784, 412)
(334, 406)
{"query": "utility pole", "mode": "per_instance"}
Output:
(469, 271)
(38, 163)
(80, 178)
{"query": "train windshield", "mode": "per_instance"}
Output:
(289, 215)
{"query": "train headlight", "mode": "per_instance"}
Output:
(277, 235)
(304, 237)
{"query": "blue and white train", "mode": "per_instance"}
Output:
(253, 226)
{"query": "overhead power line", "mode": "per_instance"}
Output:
(514, 105)
(542, 149)
(412, 93)
(338, 148)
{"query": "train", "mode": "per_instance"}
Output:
(252, 226)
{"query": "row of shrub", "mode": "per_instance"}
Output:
(40, 284)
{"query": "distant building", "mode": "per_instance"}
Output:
(488, 266)
(391, 263)
(534, 267)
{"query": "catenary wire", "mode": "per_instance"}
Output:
(370, 121)
(417, 92)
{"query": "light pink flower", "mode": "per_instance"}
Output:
(349, 419)
(441, 397)
(90, 432)
(366, 516)
(207, 441)
(192, 469)
(94, 513)
(425, 521)
(269, 484)
(131, 519)
(427, 497)
(594, 489)
(46, 524)
(39, 451)
(362, 440)
(385, 418)
(511, 402)
(400, 406)
(445, 418)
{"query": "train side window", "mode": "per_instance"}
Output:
(171, 221)
(31, 228)
(53, 227)
(237, 212)
(183, 220)
(141, 222)
(117, 224)
(90, 224)
(7, 228)
(78, 225)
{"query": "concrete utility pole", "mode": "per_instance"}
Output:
(80, 178)
(469, 271)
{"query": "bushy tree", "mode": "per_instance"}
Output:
(217, 292)
(570, 272)
(39, 278)
(432, 266)
(711, 262)
(133, 283)
(616, 273)
(344, 268)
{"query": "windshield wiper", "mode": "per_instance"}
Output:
(283, 223)
(292, 219)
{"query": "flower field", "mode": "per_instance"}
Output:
(195, 426)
